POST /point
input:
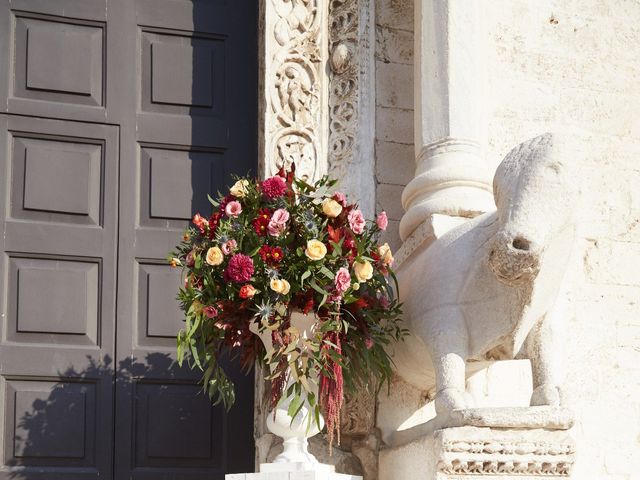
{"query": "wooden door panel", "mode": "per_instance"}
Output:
(55, 62)
(182, 90)
(58, 278)
(67, 409)
(185, 141)
(54, 301)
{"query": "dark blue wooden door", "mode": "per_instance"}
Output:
(116, 118)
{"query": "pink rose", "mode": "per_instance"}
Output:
(233, 209)
(278, 222)
(356, 221)
(210, 311)
(382, 220)
(275, 229)
(342, 280)
(229, 246)
(190, 259)
(368, 343)
(341, 198)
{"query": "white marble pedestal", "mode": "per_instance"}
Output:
(293, 471)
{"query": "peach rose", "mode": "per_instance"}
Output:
(214, 256)
(247, 291)
(280, 286)
(239, 189)
(316, 250)
(363, 270)
(331, 208)
(385, 254)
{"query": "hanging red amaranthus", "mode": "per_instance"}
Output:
(332, 388)
(279, 383)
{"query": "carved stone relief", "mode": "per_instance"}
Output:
(311, 46)
(350, 143)
(294, 80)
(350, 156)
(484, 451)
(359, 413)
(343, 86)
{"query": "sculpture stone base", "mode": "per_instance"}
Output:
(520, 450)
(487, 451)
(293, 471)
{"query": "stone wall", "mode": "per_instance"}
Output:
(555, 65)
(394, 107)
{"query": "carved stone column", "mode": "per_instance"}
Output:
(351, 99)
(316, 60)
(450, 129)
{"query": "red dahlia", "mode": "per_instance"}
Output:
(271, 255)
(261, 222)
(239, 269)
(274, 187)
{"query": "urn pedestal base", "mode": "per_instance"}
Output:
(293, 471)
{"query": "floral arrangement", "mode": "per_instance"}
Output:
(273, 246)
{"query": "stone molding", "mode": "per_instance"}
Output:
(317, 100)
(451, 179)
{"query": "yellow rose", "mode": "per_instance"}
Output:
(331, 208)
(280, 286)
(385, 254)
(316, 250)
(214, 256)
(363, 271)
(239, 189)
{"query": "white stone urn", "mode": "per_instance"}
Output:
(294, 432)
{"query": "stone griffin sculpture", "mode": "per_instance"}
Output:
(487, 289)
